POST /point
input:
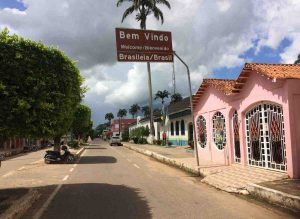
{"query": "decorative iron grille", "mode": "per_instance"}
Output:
(237, 150)
(265, 137)
(219, 130)
(202, 135)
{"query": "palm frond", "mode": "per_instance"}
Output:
(158, 14)
(127, 12)
(164, 2)
(119, 3)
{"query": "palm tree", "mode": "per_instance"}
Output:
(144, 8)
(162, 95)
(176, 97)
(298, 60)
(146, 111)
(122, 113)
(134, 109)
(109, 117)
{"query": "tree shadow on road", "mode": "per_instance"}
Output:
(93, 200)
(97, 159)
(98, 201)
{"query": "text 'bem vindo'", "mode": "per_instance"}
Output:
(148, 36)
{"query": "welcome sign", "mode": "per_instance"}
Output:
(144, 45)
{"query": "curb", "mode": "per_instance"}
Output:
(165, 160)
(78, 153)
(274, 196)
(19, 208)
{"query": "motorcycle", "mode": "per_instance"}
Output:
(57, 157)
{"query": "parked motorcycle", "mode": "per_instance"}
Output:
(57, 157)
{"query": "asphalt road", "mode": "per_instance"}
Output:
(114, 182)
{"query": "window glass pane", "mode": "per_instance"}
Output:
(182, 128)
(172, 128)
(177, 127)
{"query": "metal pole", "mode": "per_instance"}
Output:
(150, 101)
(191, 104)
(174, 80)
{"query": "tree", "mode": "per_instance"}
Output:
(134, 109)
(109, 117)
(82, 123)
(122, 113)
(40, 89)
(99, 129)
(125, 133)
(144, 8)
(146, 111)
(176, 97)
(298, 60)
(162, 95)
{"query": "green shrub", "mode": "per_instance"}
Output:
(73, 144)
(142, 141)
(138, 135)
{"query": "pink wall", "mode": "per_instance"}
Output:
(257, 89)
(293, 138)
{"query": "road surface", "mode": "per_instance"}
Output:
(114, 182)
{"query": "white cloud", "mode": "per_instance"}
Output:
(206, 34)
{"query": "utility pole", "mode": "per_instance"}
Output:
(191, 104)
(152, 131)
(174, 79)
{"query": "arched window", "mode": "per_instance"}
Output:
(172, 128)
(202, 134)
(182, 128)
(219, 130)
(177, 127)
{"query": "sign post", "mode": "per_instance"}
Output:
(150, 46)
(144, 46)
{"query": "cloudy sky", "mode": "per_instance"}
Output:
(215, 37)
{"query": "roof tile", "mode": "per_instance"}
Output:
(280, 71)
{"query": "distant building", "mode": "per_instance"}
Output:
(145, 122)
(179, 126)
(12, 146)
(117, 126)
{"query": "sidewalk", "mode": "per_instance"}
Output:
(20, 186)
(234, 178)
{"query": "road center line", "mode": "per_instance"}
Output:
(71, 170)
(75, 165)
(21, 168)
(46, 204)
(37, 161)
(136, 166)
(66, 177)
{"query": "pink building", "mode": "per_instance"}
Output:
(253, 120)
(116, 123)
